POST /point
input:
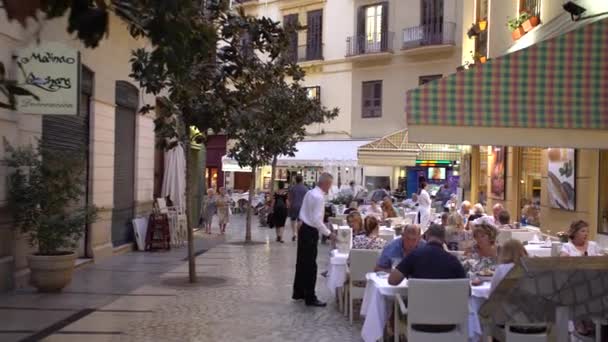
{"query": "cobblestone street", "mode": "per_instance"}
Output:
(243, 295)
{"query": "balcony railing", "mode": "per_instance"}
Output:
(369, 44)
(308, 53)
(428, 35)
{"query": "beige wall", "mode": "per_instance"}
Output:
(109, 62)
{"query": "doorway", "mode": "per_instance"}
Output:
(211, 175)
(124, 163)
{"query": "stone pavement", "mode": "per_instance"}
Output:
(243, 294)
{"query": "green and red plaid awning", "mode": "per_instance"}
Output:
(559, 83)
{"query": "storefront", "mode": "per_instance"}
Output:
(216, 149)
(544, 111)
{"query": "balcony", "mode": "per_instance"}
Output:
(370, 45)
(429, 38)
(309, 53)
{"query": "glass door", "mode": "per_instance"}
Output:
(373, 28)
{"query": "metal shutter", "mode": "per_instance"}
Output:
(71, 133)
(314, 35)
(124, 163)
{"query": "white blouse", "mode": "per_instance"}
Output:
(571, 250)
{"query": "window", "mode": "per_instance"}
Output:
(372, 28)
(432, 21)
(371, 99)
(290, 22)
(314, 35)
(373, 23)
(422, 80)
(314, 93)
(530, 6)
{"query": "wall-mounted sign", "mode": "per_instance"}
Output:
(52, 72)
(434, 163)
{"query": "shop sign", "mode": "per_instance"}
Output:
(432, 163)
(52, 72)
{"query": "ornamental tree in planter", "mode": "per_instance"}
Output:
(44, 190)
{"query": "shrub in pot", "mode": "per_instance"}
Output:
(514, 25)
(44, 191)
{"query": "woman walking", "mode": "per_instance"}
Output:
(279, 210)
(222, 202)
(208, 209)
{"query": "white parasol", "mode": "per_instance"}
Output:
(174, 180)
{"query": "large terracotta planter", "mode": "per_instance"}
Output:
(518, 33)
(531, 23)
(51, 273)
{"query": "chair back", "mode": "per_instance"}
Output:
(432, 301)
(362, 261)
(337, 221)
(556, 249)
(523, 235)
(504, 235)
(344, 239)
(512, 336)
(386, 236)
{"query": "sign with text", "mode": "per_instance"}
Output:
(52, 72)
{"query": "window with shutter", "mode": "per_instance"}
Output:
(428, 78)
(371, 104)
(290, 22)
(314, 35)
(432, 21)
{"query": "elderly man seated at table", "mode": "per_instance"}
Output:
(494, 219)
(400, 247)
(465, 210)
(430, 261)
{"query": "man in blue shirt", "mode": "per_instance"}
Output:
(430, 261)
(400, 247)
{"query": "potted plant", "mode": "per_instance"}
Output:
(479, 58)
(528, 21)
(514, 25)
(45, 187)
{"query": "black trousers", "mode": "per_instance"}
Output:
(306, 264)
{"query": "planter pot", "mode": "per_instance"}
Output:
(51, 273)
(481, 60)
(530, 23)
(518, 33)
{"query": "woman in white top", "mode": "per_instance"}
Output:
(579, 244)
(424, 206)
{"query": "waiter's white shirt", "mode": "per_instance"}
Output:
(313, 210)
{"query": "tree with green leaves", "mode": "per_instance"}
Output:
(274, 109)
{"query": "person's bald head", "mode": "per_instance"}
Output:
(410, 237)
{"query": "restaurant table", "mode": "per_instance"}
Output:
(538, 250)
(377, 305)
(337, 270)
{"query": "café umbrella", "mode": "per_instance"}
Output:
(174, 180)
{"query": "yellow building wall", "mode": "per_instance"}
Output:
(587, 192)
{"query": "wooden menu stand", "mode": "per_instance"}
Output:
(158, 235)
(550, 290)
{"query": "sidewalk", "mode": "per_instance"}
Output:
(243, 295)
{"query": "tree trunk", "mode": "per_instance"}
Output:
(273, 175)
(191, 263)
(250, 207)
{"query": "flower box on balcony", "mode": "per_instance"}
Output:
(530, 23)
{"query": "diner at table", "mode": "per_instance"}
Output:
(355, 222)
(481, 258)
(369, 239)
(400, 247)
(456, 234)
(387, 208)
(579, 244)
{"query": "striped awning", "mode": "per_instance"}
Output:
(560, 83)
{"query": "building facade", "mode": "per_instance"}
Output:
(119, 142)
(361, 56)
(525, 98)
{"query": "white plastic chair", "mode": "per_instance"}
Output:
(438, 302)
(362, 261)
(388, 237)
(511, 336)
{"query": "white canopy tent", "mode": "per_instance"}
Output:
(231, 165)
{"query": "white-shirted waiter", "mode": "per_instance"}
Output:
(311, 216)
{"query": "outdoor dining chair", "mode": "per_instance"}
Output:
(362, 261)
(439, 303)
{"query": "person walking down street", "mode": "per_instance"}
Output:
(222, 203)
(279, 210)
(296, 196)
(311, 215)
(208, 209)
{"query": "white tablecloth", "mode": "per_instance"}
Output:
(378, 297)
(376, 307)
(538, 250)
(337, 270)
